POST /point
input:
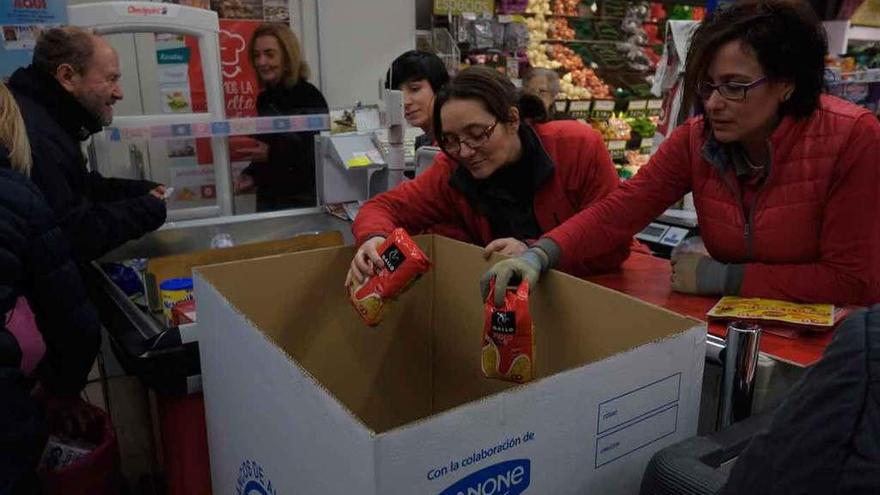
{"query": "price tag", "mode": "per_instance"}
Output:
(603, 109)
(579, 108)
(637, 108)
(561, 106)
(646, 146)
(617, 149)
(654, 108)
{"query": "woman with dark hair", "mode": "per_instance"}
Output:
(419, 75)
(282, 166)
(785, 179)
(499, 180)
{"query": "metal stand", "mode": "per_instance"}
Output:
(740, 362)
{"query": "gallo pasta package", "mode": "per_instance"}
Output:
(508, 337)
(403, 263)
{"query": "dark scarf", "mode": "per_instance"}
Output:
(506, 198)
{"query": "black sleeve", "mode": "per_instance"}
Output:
(303, 99)
(114, 189)
(65, 317)
(94, 228)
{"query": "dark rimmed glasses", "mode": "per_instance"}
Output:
(732, 91)
(452, 143)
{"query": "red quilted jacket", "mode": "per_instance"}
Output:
(583, 174)
(814, 232)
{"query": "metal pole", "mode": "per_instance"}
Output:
(738, 376)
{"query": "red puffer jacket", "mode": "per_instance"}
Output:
(813, 234)
(583, 173)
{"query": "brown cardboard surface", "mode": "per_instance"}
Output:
(458, 326)
(380, 374)
(181, 265)
(576, 322)
(425, 357)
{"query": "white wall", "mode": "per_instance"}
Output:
(350, 44)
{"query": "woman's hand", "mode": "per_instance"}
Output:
(507, 246)
(243, 184)
(696, 273)
(366, 262)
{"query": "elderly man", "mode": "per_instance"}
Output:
(66, 95)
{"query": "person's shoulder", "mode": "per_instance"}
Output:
(308, 90)
(837, 108)
(567, 130)
(20, 197)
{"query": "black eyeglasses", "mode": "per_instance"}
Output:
(452, 143)
(730, 90)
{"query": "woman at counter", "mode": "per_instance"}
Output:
(500, 181)
(50, 332)
(419, 76)
(785, 178)
(282, 166)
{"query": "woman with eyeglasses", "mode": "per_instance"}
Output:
(786, 179)
(499, 180)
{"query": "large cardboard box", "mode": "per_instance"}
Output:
(302, 398)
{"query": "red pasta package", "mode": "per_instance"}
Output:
(508, 336)
(404, 263)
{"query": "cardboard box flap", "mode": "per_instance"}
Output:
(181, 265)
(382, 375)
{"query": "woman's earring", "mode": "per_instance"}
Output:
(787, 95)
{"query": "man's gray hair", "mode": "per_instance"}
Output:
(65, 45)
(551, 76)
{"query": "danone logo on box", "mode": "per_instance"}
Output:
(504, 478)
(252, 480)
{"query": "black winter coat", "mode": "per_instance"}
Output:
(96, 214)
(35, 262)
(825, 438)
(287, 179)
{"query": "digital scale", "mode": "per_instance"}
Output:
(669, 230)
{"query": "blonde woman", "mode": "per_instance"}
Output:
(41, 298)
(282, 166)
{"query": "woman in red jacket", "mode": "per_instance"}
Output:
(786, 180)
(502, 182)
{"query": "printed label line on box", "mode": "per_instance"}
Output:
(625, 441)
(628, 407)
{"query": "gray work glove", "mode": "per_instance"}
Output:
(528, 266)
(694, 273)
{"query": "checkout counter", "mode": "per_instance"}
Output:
(351, 167)
(167, 359)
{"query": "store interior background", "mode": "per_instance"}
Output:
(349, 45)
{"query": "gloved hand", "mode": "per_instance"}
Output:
(528, 266)
(695, 273)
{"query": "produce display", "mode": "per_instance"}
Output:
(577, 81)
(560, 29)
(566, 7)
(614, 129)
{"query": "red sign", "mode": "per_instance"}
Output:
(239, 78)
